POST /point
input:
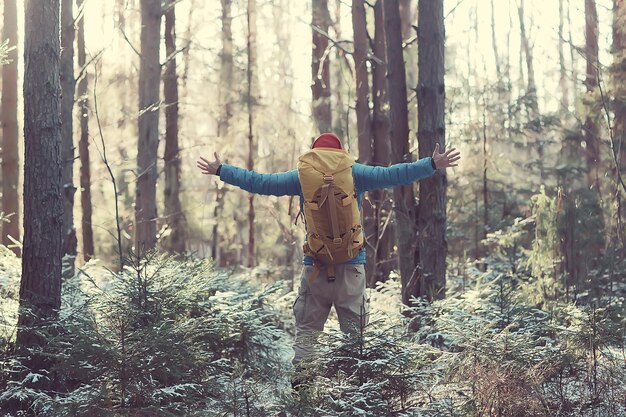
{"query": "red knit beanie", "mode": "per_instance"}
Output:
(327, 140)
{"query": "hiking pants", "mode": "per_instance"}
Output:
(315, 298)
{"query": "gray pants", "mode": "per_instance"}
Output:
(316, 297)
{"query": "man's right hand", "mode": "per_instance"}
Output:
(209, 167)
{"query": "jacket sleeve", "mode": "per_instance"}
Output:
(367, 178)
(282, 183)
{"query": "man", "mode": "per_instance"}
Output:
(345, 289)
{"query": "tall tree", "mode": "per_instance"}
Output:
(361, 48)
(531, 89)
(494, 42)
(339, 65)
(591, 131)
(364, 125)
(83, 143)
(320, 66)
(385, 229)
(226, 71)
(251, 89)
(40, 287)
(175, 219)
(532, 102)
(10, 155)
(619, 106)
(148, 124)
(68, 85)
(399, 132)
(226, 111)
(433, 247)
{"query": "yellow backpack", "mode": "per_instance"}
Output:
(333, 222)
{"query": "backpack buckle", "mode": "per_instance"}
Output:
(328, 178)
(337, 241)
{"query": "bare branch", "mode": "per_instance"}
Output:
(103, 155)
(611, 135)
(128, 42)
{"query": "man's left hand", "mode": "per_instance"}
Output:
(446, 159)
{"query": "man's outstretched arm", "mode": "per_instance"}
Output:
(279, 184)
(369, 178)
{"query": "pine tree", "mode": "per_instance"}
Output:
(173, 212)
(431, 216)
(83, 144)
(40, 288)
(399, 134)
(148, 123)
(68, 85)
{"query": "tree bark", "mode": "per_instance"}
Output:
(40, 287)
(433, 247)
(320, 67)
(399, 132)
(252, 83)
(68, 86)
(148, 124)
(175, 242)
(83, 144)
(10, 154)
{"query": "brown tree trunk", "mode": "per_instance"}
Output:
(385, 228)
(226, 71)
(619, 107)
(10, 154)
(320, 86)
(531, 90)
(342, 113)
(68, 85)
(40, 288)
(364, 127)
(252, 85)
(226, 112)
(363, 119)
(148, 124)
(215, 237)
(175, 242)
(433, 247)
(83, 144)
(399, 132)
(591, 128)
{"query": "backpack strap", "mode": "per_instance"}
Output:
(328, 190)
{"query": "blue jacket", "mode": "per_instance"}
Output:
(366, 178)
